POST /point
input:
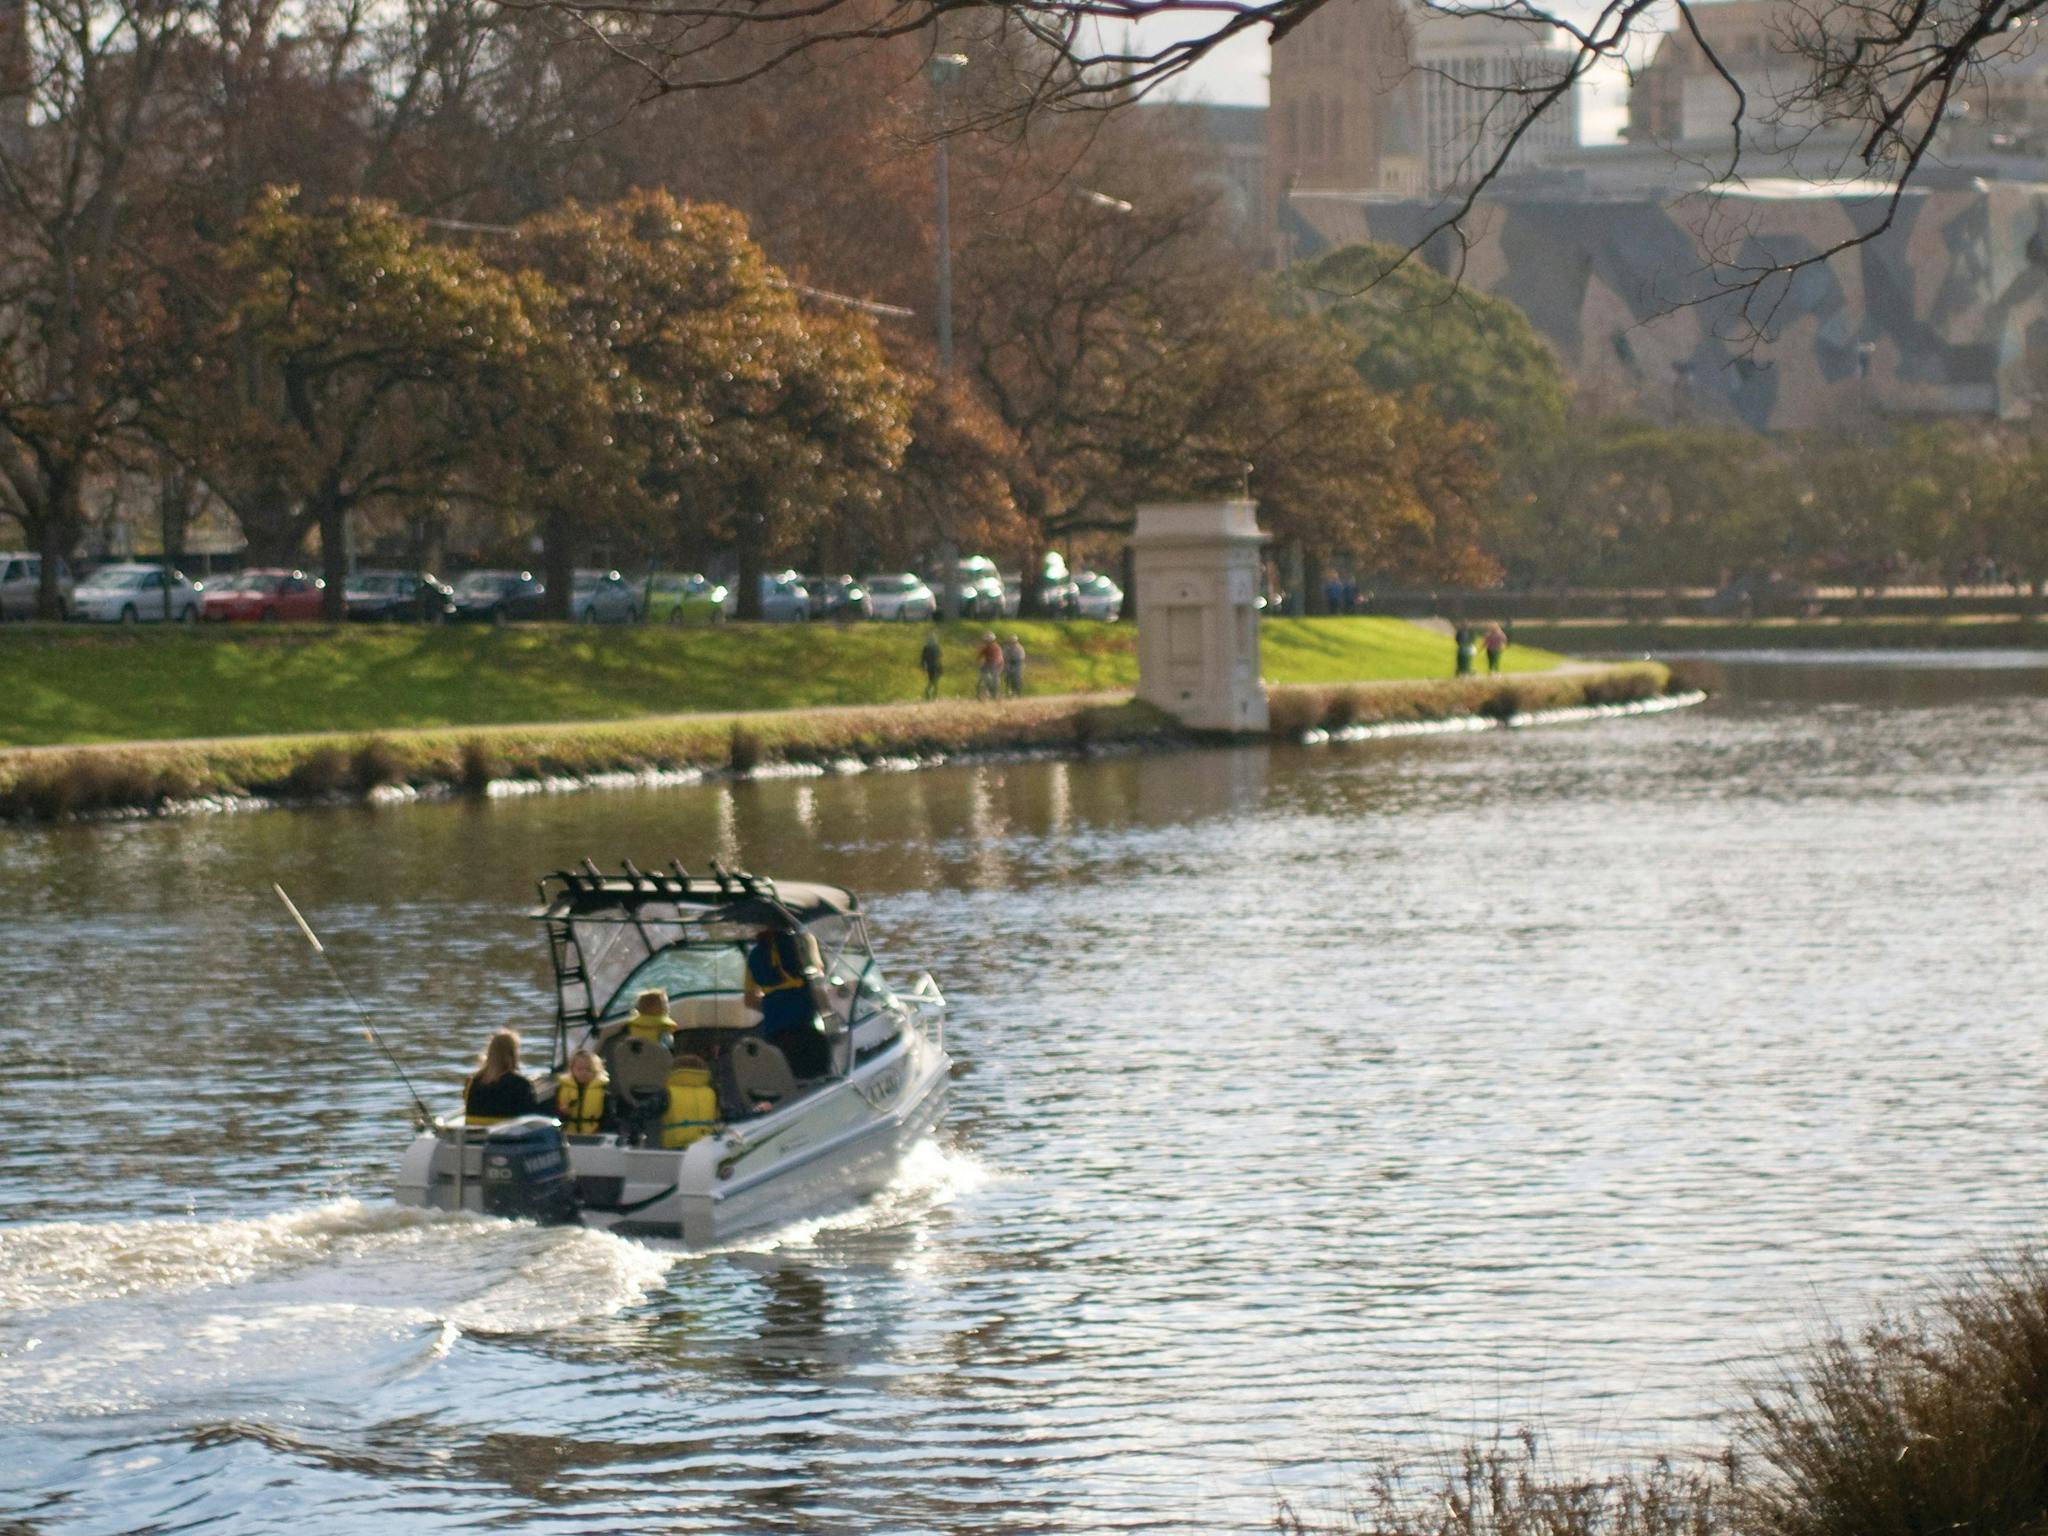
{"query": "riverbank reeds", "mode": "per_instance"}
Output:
(1928, 1421)
(142, 778)
(1295, 711)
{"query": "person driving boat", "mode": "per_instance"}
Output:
(779, 984)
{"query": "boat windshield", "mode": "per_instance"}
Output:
(690, 969)
(711, 961)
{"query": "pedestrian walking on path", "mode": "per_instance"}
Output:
(1466, 645)
(1496, 642)
(989, 684)
(1013, 667)
(933, 662)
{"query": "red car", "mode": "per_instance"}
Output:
(262, 595)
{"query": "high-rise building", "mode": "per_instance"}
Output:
(1474, 76)
(1395, 96)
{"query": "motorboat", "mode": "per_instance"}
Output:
(708, 1132)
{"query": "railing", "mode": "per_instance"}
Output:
(927, 1005)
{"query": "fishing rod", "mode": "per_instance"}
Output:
(362, 1014)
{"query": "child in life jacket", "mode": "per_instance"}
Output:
(579, 1095)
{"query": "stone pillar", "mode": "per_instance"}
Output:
(1197, 578)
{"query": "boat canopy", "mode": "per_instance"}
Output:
(605, 933)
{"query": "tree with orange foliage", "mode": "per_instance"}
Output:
(742, 412)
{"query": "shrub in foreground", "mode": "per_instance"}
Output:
(1504, 1490)
(1926, 1423)
(1933, 1421)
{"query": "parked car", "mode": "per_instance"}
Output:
(684, 597)
(980, 586)
(1098, 597)
(135, 594)
(1056, 594)
(20, 576)
(604, 597)
(398, 596)
(838, 597)
(265, 596)
(900, 596)
(784, 600)
(497, 597)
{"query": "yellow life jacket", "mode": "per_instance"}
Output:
(580, 1106)
(784, 978)
(692, 1107)
(649, 1028)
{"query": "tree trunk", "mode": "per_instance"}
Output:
(1031, 581)
(949, 581)
(1296, 580)
(558, 563)
(331, 513)
(1129, 612)
(2034, 596)
(1316, 597)
(59, 532)
(752, 558)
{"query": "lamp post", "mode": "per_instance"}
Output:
(942, 69)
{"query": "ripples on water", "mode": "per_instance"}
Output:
(1311, 1104)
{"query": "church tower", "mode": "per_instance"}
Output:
(1340, 92)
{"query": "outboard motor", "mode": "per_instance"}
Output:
(526, 1172)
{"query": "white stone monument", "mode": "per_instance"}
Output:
(1198, 569)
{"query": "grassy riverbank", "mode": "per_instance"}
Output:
(146, 777)
(1602, 638)
(1928, 1420)
(74, 685)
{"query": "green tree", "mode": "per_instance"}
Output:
(744, 416)
(1476, 357)
(363, 366)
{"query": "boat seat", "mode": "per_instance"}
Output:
(761, 1072)
(639, 1072)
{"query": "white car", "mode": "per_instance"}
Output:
(20, 578)
(135, 594)
(784, 600)
(1099, 597)
(902, 596)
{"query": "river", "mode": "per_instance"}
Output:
(1314, 1106)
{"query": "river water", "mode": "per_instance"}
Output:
(1315, 1106)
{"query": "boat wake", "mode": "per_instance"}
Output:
(106, 1317)
(931, 1177)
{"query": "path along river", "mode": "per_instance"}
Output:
(1314, 1105)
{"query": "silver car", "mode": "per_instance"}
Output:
(603, 597)
(135, 594)
(784, 600)
(20, 576)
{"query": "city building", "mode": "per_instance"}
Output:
(1942, 313)
(1393, 96)
(1472, 76)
